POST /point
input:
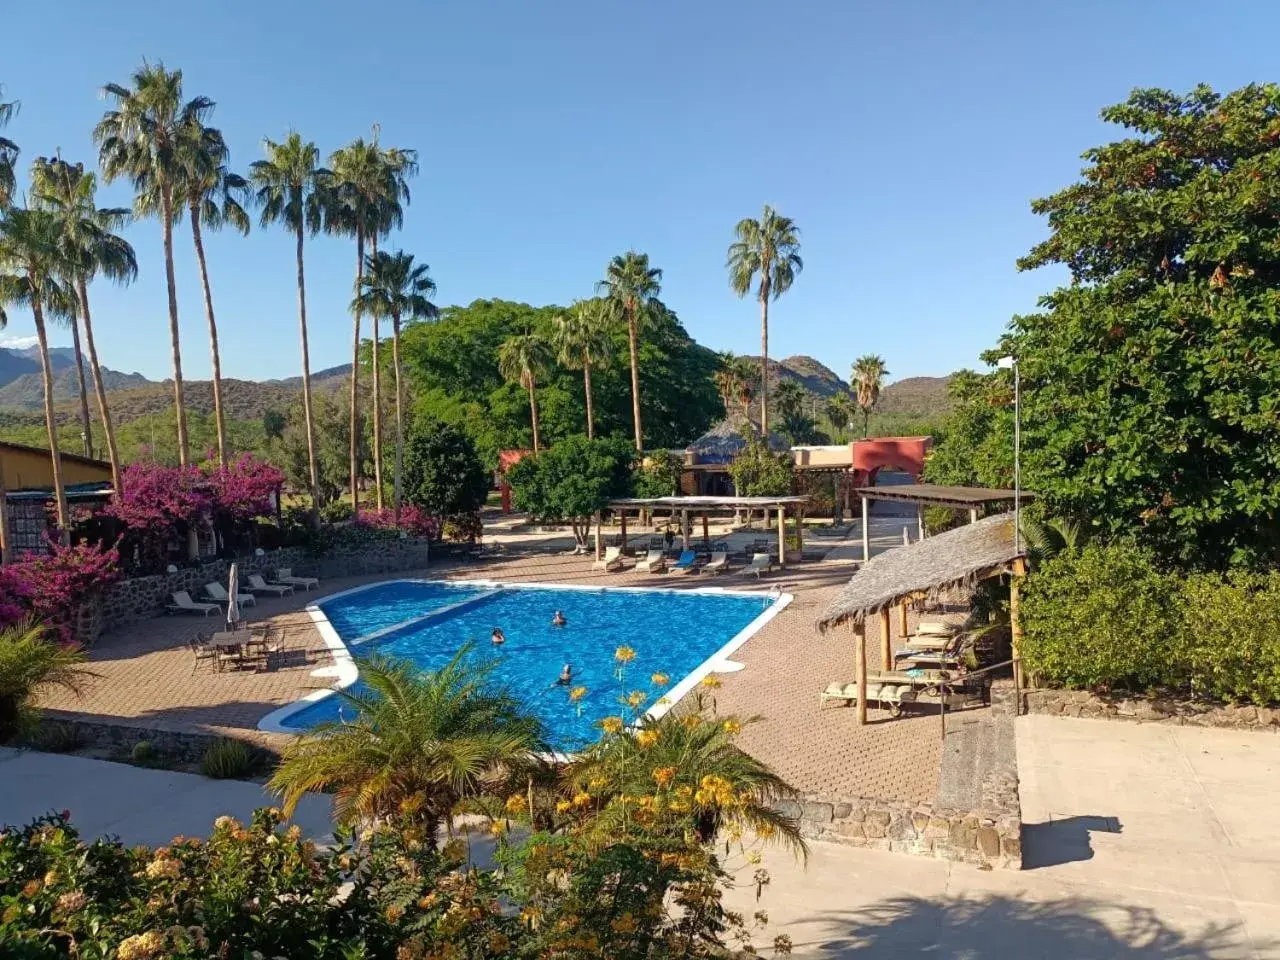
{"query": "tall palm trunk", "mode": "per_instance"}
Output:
(104, 412)
(764, 361)
(179, 402)
(634, 350)
(220, 423)
(86, 427)
(46, 370)
(395, 363)
(533, 415)
(355, 381)
(313, 471)
(586, 383)
(377, 397)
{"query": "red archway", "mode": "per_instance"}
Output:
(903, 453)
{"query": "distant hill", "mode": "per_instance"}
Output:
(924, 397)
(27, 391)
(813, 376)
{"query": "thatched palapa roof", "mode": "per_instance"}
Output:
(957, 558)
(725, 440)
(943, 496)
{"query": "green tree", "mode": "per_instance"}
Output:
(582, 342)
(976, 449)
(630, 283)
(839, 410)
(1149, 382)
(393, 286)
(8, 153)
(523, 359)
(139, 139)
(759, 472)
(788, 400)
(868, 376)
(658, 475)
(91, 247)
(273, 424)
(330, 450)
(32, 261)
(290, 188)
(29, 664)
(768, 248)
(418, 743)
(572, 481)
(443, 474)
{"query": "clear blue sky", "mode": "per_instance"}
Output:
(906, 139)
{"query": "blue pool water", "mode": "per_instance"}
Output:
(671, 633)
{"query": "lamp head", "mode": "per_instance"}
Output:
(1007, 363)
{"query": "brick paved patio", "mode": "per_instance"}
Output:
(146, 678)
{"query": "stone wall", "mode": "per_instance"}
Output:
(1082, 703)
(143, 597)
(173, 747)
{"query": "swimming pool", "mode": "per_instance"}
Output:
(684, 634)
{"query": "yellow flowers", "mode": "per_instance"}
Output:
(597, 783)
(577, 693)
(711, 682)
(732, 727)
(624, 654)
(715, 791)
(31, 888)
(166, 868)
(659, 679)
(563, 806)
(625, 923)
(636, 698)
(611, 724)
(394, 912)
(141, 946)
(581, 799)
(497, 828)
(664, 775)
(516, 804)
(647, 738)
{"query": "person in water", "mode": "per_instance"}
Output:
(566, 676)
(558, 620)
(498, 638)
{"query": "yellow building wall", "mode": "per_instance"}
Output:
(24, 469)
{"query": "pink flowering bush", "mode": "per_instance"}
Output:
(413, 521)
(155, 499)
(52, 587)
(244, 490)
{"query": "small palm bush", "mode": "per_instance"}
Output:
(29, 663)
(228, 760)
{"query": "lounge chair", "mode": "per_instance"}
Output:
(258, 585)
(718, 563)
(950, 657)
(182, 603)
(612, 560)
(655, 561)
(760, 563)
(687, 563)
(890, 689)
(218, 593)
(285, 576)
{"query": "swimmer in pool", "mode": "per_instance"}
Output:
(498, 638)
(566, 676)
(558, 620)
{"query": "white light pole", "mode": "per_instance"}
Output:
(1011, 363)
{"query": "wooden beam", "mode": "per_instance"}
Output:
(866, 532)
(973, 514)
(1015, 625)
(800, 527)
(920, 520)
(597, 525)
(622, 530)
(902, 620)
(782, 535)
(684, 529)
(886, 641)
(860, 671)
(706, 532)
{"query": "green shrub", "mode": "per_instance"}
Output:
(228, 760)
(1233, 636)
(143, 752)
(336, 511)
(56, 737)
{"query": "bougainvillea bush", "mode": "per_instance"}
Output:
(53, 587)
(245, 489)
(413, 521)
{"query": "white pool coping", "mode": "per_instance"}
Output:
(345, 672)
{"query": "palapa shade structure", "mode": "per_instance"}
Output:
(958, 558)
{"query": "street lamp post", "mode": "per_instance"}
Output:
(1011, 363)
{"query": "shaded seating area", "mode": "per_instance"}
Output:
(924, 570)
(973, 499)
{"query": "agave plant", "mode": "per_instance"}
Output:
(31, 663)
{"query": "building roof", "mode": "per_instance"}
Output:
(958, 557)
(708, 503)
(940, 495)
(44, 452)
(724, 441)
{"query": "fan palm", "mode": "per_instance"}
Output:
(8, 153)
(417, 745)
(29, 664)
(523, 359)
(582, 342)
(369, 184)
(32, 261)
(630, 283)
(788, 399)
(770, 249)
(139, 139)
(393, 286)
(839, 410)
(290, 190)
(91, 247)
(868, 378)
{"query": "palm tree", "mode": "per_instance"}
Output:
(523, 359)
(839, 410)
(8, 153)
(769, 247)
(32, 262)
(788, 399)
(582, 342)
(29, 664)
(418, 742)
(868, 377)
(214, 196)
(393, 286)
(91, 247)
(139, 139)
(290, 190)
(630, 283)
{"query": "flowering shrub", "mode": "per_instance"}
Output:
(52, 587)
(413, 521)
(245, 489)
(155, 499)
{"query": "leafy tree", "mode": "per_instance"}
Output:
(91, 247)
(331, 449)
(839, 410)
(582, 342)
(523, 359)
(394, 287)
(768, 247)
(29, 663)
(572, 481)
(759, 472)
(976, 449)
(788, 399)
(139, 139)
(290, 186)
(658, 475)
(417, 744)
(273, 424)
(443, 473)
(631, 284)
(868, 378)
(1149, 382)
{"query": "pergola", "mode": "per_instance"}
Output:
(689, 507)
(923, 570)
(932, 494)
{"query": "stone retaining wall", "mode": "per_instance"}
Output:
(1082, 703)
(171, 746)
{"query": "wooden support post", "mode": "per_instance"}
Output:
(886, 641)
(973, 514)
(684, 529)
(906, 537)
(706, 531)
(800, 528)
(598, 522)
(866, 532)
(860, 671)
(902, 620)
(782, 536)
(920, 520)
(622, 530)
(1015, 625)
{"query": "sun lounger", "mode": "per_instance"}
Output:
(760, 563)
(218, 594)
(687, 563)
(718, 563)
(654, 561)
(612, 560)
(285, 576)
(949, 656)
(890, 689)
(258, 585)
(182, 603)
